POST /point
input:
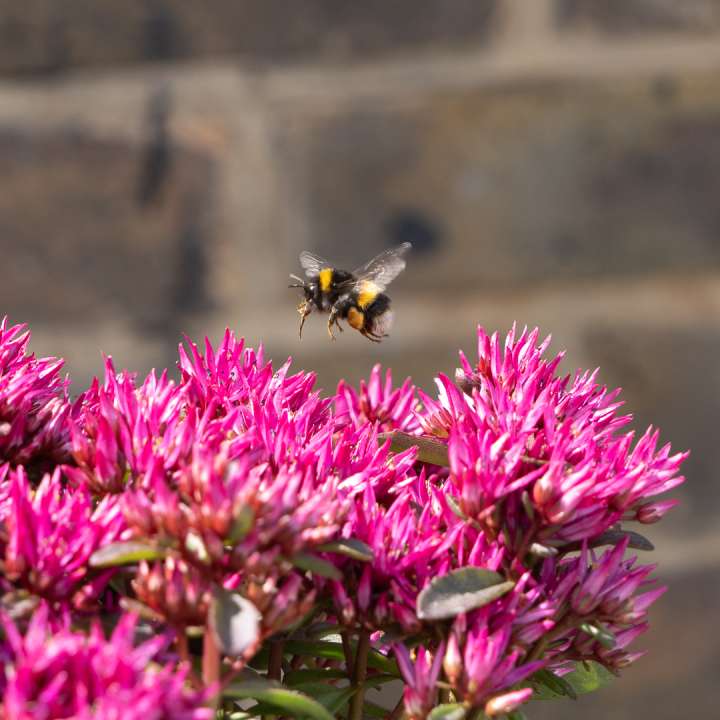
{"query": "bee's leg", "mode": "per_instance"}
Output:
(370, 336)
(332, 319)
(304, 309)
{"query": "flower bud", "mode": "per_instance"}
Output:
(502, 704)
(543, 490)
(452, 662)
(365, 589)
(653, 512)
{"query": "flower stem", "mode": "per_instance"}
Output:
(275, 660)
(347, 649)
(181, 643)
(397, 711)
(359, 674)
(211, 663)
(183, 650)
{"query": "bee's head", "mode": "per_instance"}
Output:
(307, 287)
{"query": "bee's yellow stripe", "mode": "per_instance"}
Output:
(325, 279)
(367, 293)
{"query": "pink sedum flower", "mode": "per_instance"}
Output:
(51, 534)
(377, 401)
(34, 407)
(52, 672)
(420, 694)
(122, 431)
(543, 456)
(238, 472)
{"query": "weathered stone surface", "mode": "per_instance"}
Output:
(640, 16)
(44, 36)
(93, 229)
(529, 182)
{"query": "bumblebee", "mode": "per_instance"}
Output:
(357, 297)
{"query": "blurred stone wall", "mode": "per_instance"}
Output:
(554, 162)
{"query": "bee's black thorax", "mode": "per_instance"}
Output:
(325, 291)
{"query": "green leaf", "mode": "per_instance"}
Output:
(516, 715)
(316, 565)
(460, 591)
(549, 686)
(323, 630)
(294, 678)
(334, 651)
(429, 450)
(588, 677)
(235, 621)
(290, 702)
(604, 637)
(448, 711)
(613, 537)
(543, 551)
(333, 699)
(144, 611)
(373, 710)
(376, 681)
(610, 537)
(350, 547)
(242, 524)
(196, 546)
(125, 553)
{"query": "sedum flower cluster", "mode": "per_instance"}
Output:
(162, 540)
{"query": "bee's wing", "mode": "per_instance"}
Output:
(312, 264)
(383, 268)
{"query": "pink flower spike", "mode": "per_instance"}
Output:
(654, 512)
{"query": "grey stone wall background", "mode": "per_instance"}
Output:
(555, 162)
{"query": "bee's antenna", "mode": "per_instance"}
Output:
(300, 282)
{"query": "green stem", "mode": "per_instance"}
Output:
(359, 675)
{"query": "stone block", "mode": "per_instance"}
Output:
(93, 229)
(639, 16)
(44, 36)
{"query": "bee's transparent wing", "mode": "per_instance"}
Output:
(312, 264)
(383, 268)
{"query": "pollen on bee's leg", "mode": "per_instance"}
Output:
(356, 319)
(304, 309)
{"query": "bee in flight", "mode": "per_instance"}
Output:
(357, 297)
